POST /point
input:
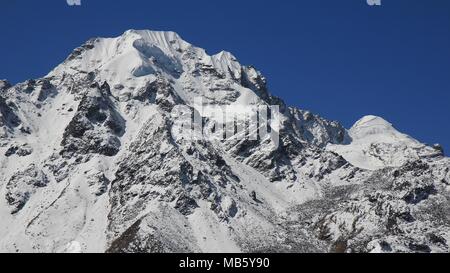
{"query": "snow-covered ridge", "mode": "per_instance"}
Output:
(376, 128)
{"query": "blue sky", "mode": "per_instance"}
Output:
(341, 59)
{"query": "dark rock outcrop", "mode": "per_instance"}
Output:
(22, 185)
(96, 126)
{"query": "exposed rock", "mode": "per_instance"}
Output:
(439, 148)
(4, 84)
(96, 127)
(22, 151)
(22, 185)
(253, 196)
(100, 183)
(9, 120)
(80, 50)
(47, 90)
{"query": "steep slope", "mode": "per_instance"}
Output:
(93, 159)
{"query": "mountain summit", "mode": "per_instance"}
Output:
(92, 159)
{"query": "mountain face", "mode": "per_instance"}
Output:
(92, 160)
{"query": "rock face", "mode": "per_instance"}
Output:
(23, 185)
(8, 118)
(96, 126)
(4, 85)
(93, 156)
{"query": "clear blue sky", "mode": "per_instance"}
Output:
(341, 59)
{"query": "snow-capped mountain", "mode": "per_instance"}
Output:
(91, 160)
(376, 144)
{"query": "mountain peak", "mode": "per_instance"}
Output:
(144, 54)
(376, 144)
(370, 121)
(149, 32)
(165, 39)
(374, 127)
(137, 57)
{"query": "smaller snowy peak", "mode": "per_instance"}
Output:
(371, 120)
(376, 144)
(374, 128)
